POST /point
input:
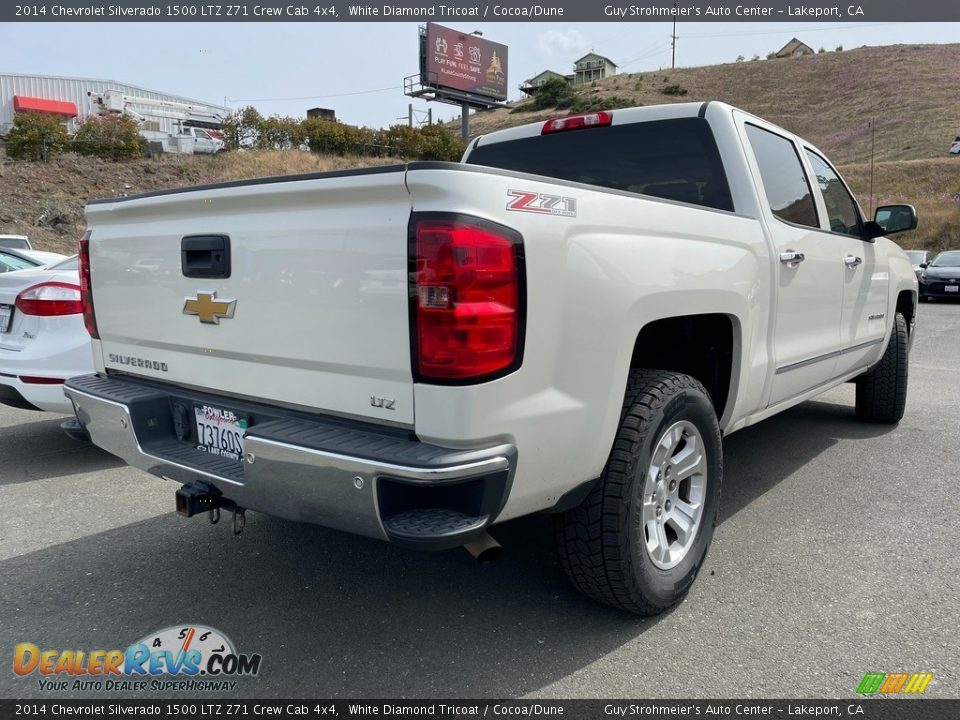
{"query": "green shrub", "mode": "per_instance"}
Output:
(280, 133)
(438, 143)
(555, 92)
(36, 136)
(331, 137)
(674, 90)
(114, 137)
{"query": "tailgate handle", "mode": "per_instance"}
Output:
(205, 256)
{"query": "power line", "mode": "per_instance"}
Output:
(657, 49)
(315, 97)
(793, 31)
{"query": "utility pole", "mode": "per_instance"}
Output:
(872, 132)
(673, 40)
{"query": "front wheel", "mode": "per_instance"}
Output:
(882, 392)
(639, 538)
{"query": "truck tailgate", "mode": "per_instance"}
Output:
(318, 278)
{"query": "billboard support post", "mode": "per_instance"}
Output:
(465, 122)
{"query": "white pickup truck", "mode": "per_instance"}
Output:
(567, 321)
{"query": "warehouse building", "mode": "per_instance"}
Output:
(68, 98)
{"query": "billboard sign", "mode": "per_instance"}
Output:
(464, 62)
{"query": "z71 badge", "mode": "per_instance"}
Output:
(542, 203)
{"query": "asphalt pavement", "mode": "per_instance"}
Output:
(837, 554)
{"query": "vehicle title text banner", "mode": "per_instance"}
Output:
(471, 11)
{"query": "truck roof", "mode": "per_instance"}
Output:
(624, 116)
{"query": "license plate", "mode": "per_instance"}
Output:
(952, 288)
(220, 432)
(6, 315)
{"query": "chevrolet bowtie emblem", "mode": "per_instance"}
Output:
(206, 306)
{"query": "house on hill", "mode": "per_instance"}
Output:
(593, 67)
(794, 48)
(585, 70)
(531, 86)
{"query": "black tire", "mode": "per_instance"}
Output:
(602, 541)
(882, 392)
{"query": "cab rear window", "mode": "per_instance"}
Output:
(670, 159)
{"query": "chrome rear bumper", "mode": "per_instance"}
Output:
(354, 477)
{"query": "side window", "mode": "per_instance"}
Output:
(784, 180)
(842, 209)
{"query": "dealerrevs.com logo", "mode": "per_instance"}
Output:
(177, 658)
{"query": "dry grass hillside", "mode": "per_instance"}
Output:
(911, 91)
(45, 200)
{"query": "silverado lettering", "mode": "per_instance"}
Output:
(137, 362)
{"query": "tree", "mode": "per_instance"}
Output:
(242, 128)
(36, 136)
(115, 137)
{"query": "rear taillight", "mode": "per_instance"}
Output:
(50, 299)
(467, 299)
(86, 293)
(575, 122)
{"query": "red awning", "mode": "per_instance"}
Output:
(55, 107)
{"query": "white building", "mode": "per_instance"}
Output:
(67, 97)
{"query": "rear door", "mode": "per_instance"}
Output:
(806, 338)
(866, 278)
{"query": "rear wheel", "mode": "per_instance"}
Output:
(639, 538)
(882, 392)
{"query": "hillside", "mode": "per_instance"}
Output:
(911, 91)
(45, 200)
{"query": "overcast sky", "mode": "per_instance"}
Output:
(286, 68)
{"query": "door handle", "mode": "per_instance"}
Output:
(791, 258)
(851, 262)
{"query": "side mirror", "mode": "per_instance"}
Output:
(923, 265)
(890, 219)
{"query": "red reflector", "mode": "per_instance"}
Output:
(467, 303)
(50, 299)
(86, 294)
(575, 122)
(31, 380)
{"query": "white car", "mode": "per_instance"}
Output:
(12, 259)
(19, 242)
(43, 340)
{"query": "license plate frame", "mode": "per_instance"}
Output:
(220, 431)
(6, 318)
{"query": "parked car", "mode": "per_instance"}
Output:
(34, 258)
(941, 278)
(955, 148)
(206, 142)
(554, 324)
(18, 242)
(918, 258)
(42, 338)
(13, 260)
